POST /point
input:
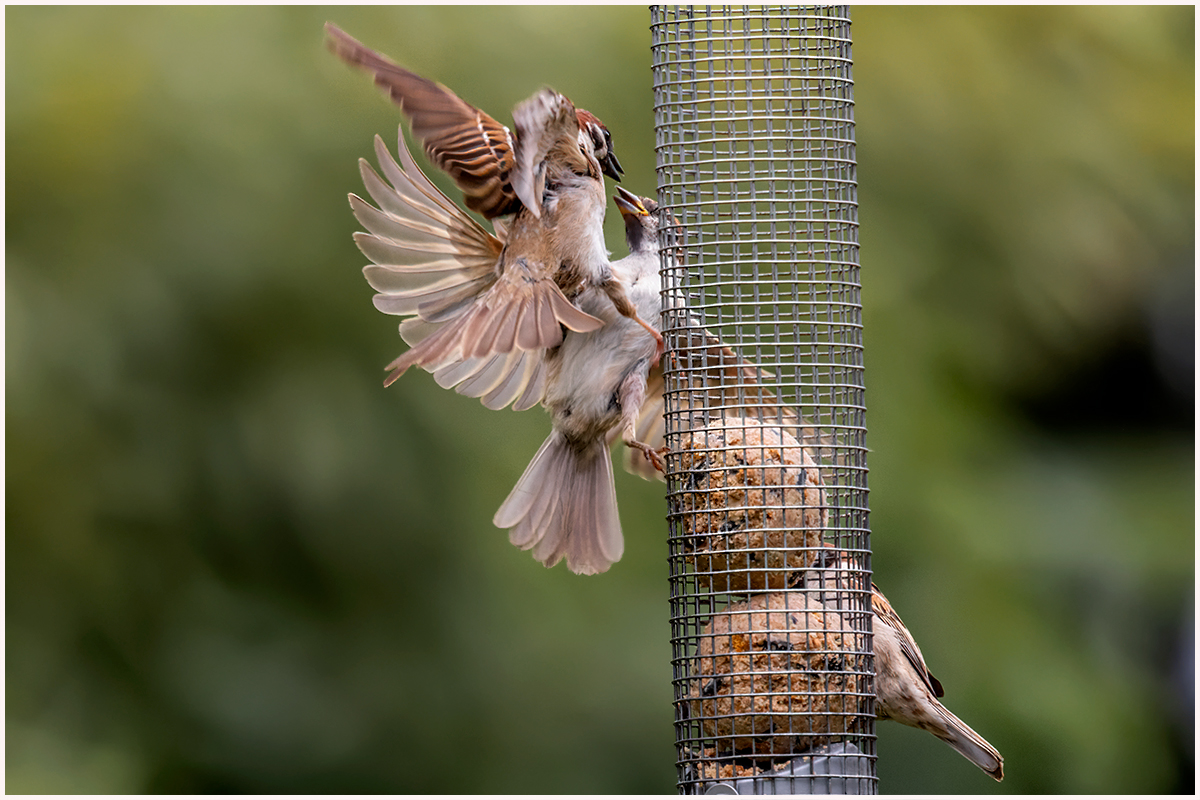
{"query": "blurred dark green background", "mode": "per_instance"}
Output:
(236, 563)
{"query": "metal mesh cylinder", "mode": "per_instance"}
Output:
(767, 490)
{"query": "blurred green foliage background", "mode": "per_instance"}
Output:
(236, 563)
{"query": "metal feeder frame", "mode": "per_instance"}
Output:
(754, 132)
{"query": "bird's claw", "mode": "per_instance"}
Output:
(652, 455)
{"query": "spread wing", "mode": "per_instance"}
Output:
(429, 257)
(432, 263)
(472, 147)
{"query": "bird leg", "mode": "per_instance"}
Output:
(652, 455)
(620, 300)
(660, 344)
(630, 395)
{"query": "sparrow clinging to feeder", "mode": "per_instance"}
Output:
(905, 689)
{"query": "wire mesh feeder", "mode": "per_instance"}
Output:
(772, 659)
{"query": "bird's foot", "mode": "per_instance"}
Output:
(655, 457)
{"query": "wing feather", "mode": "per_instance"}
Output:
(472, 147)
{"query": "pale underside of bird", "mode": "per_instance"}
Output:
(905, 690)
(546, 180)
(565, 503)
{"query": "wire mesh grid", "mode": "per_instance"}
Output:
(767, 493)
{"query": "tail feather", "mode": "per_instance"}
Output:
(565, 506)
(970, 744)
(595, 508)
(548, 540)
(542, 509)
(521, 500)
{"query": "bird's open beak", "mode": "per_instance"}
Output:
(629, 204)
(610, 166)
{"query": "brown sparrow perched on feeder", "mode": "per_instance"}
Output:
(548, 176)
(565, 504)
(905, 690)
